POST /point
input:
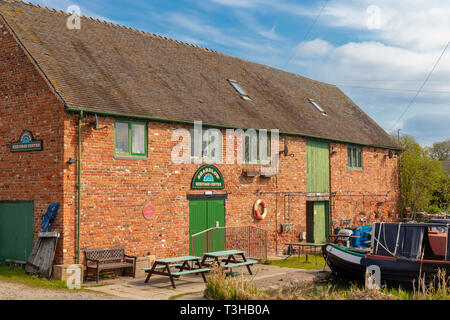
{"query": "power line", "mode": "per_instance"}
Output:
(392, 89)
(307, 32)
(423, 85)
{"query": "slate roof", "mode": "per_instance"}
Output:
(111, 69)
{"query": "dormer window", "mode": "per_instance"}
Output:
(239, 89)
(318, 107)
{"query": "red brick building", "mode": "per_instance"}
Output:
(56, 81)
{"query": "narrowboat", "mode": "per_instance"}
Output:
(403, 252)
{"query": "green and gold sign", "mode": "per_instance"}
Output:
(26, 143)
(208, 177)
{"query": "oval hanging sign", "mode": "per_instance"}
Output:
(208, 177)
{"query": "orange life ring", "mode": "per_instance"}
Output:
(258, 215)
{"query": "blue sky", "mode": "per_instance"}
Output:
(379, 52)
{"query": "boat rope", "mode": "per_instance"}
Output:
(398, 237)
(379, 242)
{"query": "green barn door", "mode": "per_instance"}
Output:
(317, 221)
(16, 230)
(197, 223)
(203, 215)
(216, 218)
(317, 167)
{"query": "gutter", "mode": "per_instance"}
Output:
(79, 186)
(114, 114)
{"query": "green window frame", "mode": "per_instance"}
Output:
(248, 150)
(205, 152)
(130, 139)
(355, 157)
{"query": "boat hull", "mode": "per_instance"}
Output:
(403, 271)
(343, 262)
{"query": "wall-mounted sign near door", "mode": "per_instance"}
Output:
(26, 143)
(208, 177)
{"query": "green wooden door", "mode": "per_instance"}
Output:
(197, 223)
(317, 221)
(320, 222)
(216, 218)
(16, 230)
(317, 166)
(203, 215)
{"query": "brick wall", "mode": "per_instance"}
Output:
(114, 191)
(27, 103)
(372, 194)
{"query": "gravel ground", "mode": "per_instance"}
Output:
(15, 291)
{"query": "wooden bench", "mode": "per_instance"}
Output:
(108, 259)
(180, 273)
(240, 264)
(162, 267)
(177, 265)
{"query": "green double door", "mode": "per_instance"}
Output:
(204, 215)
(317, 221)
(16, 230)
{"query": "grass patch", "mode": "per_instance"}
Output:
(299, 262)
(221, 287)
(16, 274)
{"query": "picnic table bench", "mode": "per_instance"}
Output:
(102, 259)
(228, 257)
(182, 263)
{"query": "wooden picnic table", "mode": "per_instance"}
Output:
(304, 245)
(229, 259)
(182, 263)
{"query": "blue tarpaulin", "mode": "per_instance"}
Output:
(49, 216)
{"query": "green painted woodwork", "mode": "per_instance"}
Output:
(124, 134)
(354, 157)
(203, 215)
(317, 221)
(317, 166)
(218, 254)
(178, 259)
(16, 230)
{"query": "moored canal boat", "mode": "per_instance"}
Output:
(403, 252)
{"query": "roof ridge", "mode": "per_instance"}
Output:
(113, 24)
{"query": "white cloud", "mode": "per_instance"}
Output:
(315, 48)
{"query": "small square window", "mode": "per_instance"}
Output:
(355, 157)
(208, 145)
(130, 139)
(257, 149)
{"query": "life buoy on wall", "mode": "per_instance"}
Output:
(258, 215)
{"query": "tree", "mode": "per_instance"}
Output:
(440, 150)
(421, 177)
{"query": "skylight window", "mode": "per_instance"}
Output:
(318, 107)
(239, 89)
